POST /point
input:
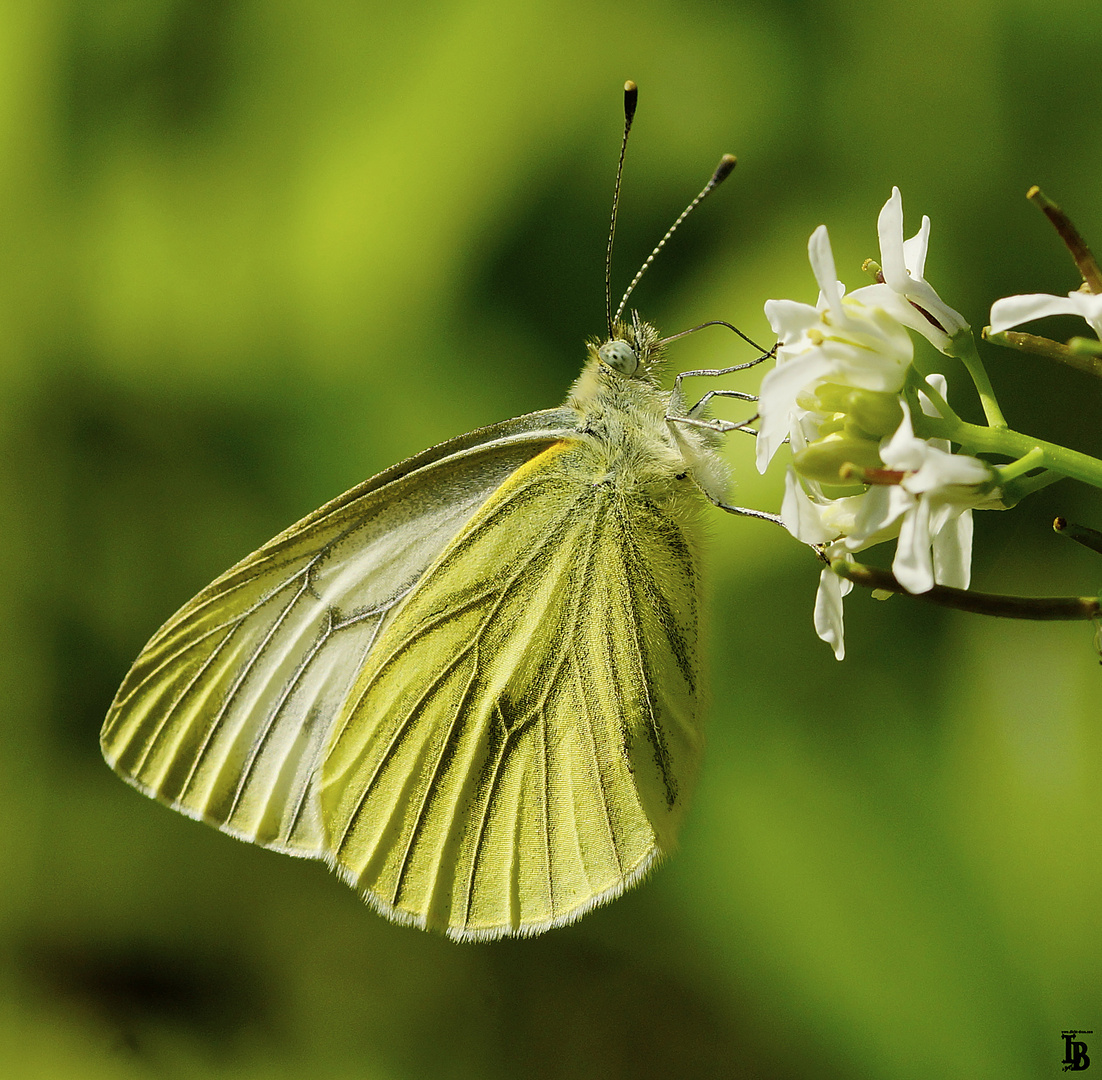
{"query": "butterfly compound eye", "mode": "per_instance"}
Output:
(619, 356)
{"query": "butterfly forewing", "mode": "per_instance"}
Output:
(227, 711)
(520, 742)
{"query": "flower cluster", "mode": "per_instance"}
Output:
(846, 396)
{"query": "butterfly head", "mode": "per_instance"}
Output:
(630, 353)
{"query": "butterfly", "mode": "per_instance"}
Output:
(470, 685)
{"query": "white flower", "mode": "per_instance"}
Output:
(839, 340)
(1014, 310)
(836, 394)
(935, 530)
(928, 511)
(904, 291)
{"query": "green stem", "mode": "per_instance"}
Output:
(917, 382)
(1016, 490)
(1080, 353)
(1015, 484)
(964, 349)
(1035, 459)
(1012, 444)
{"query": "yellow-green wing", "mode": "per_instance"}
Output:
(227, 711)
(520, 744)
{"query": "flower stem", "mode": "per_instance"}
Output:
(1015, 490)
(1035, 459)
(1081, 534)
(1012, 444)
(1044, 608)
(964, 349)
(1088, 265)
(1083, 356)
(1015, 484)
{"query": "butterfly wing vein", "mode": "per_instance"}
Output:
(518, 744)
(468, 684)
(227, 711)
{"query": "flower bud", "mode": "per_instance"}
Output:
(824, 459)
(875, 413)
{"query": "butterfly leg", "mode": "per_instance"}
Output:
(738, 394)
(743, 511)
(715, 373)
(723, 426)
(715, 424)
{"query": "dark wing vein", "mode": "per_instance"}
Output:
(221, 719)
(587, 586)
(402, 646)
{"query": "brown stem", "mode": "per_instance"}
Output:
(1086, 262)
(1046, 608)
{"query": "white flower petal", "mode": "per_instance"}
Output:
(822, 263)
(802, 517)
(889, 229)
(790, 319)
(940, 470)
(873, 351)
(953, 552)
(1014, 310)
(1089, 305)
(902, 267)
(882, 507)
(928, 465)
(914, 250)
(776, 401)
(828, 611)
(937, 382)
(913, 565)
(899, 306)
(903, 451)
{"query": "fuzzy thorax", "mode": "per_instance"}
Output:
(628, 421)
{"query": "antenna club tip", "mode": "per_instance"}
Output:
(631, 99)
(724, 169)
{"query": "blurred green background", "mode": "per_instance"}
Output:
(254, 252)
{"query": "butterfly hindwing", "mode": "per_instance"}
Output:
(520, 742)
(228, 709)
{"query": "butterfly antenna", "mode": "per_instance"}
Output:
(723, 170)
(631, 99)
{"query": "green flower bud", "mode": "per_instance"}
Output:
(876, 413)
(823, 459)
